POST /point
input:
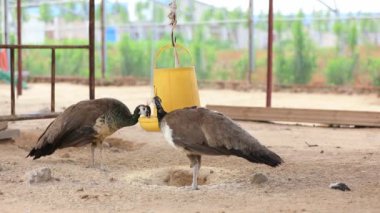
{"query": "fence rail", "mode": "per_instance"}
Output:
(12, 47)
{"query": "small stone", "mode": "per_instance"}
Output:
(66, 155)
(38, 175)
(1, 193)
(339, 186)
(80, 190)
(322, 151)
(259, 178)
(106, 145)
(112, 179)
(84, 196)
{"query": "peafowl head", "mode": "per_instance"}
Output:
(143, 110)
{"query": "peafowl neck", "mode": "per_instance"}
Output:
(121, 120)
(160, 112)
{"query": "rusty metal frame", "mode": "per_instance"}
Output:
(90, 47)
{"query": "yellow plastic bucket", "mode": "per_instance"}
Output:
(177, 88)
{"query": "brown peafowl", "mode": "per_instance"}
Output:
(87, 122)
(198, 131)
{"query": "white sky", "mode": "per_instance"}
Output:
(293, 6)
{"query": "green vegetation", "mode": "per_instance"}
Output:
(373, 67)
(299, 54)
(339, 70)
(298, 65)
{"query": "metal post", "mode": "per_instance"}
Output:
(152, 49)
(52, 95)
(12, 70)
(251, 42)
(6, 22)
(103, 35)
(19, 52)
(270, 55)
(91, 49)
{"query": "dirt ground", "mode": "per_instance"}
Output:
(144, 174)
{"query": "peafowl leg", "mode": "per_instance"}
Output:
(195, 163)
(101, 156)
(93, 145)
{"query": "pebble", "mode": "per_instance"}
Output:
(38, 175)
(339, 186)
(259, 178)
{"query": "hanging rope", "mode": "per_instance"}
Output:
(173, 19)
(173, 22)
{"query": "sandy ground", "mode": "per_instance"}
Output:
(144, 174)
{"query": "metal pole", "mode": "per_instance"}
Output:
(91, 49)
(103, 35)
(270, 55)
(52, 80)
(6, 28)
(12, 70)
(19, 52)
(152, 49)
(251, 42)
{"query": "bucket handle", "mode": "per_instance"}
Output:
(168, 46)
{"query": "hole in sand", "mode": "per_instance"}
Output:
(178, 176)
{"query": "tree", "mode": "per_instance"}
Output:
(295, 60)
(141, 6)
(320, 22)
(120, 12)
(45, 13)
(304, 59)
(369, 26)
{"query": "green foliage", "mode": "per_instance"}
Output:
(45, 13)
(373, 66)
(369, 26)
(159, 14)
(297, 66)
(67, 11)
(304, 59)
(283, 67)
(136, 57)
(320, 21)
(119, 13)
(140, 8)
(339, 70)
(69, 62)
(241, 67)
(352, 36)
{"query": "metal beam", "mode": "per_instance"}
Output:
(315, 116)
(250, 42)
(103, 35)
(270, 55)
(19, 51)
(28, 117)
(91, 50)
